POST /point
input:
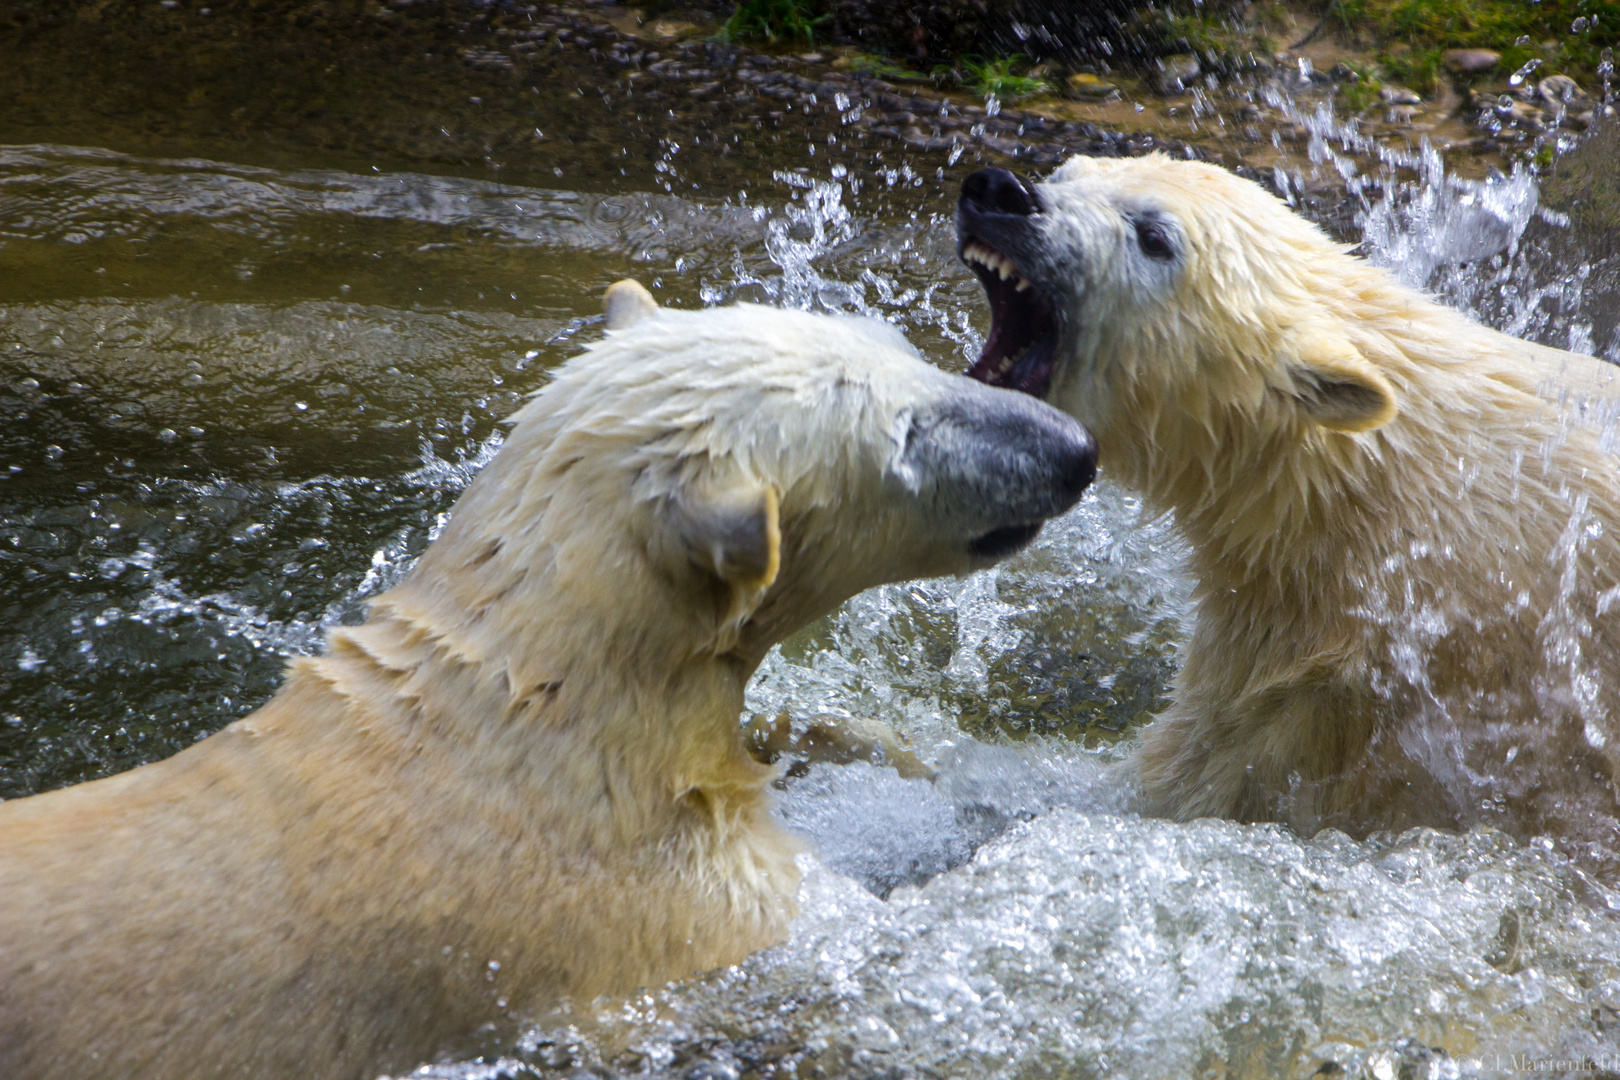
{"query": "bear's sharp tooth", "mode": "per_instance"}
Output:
(1020, 285)
(991, 259)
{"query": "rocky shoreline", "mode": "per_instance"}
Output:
(1190, 108)
(698, 68)
(610, 97)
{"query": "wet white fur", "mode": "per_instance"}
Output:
(523, 777)
(1405, 526)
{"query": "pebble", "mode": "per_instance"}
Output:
(1010, 147)
(917, 139)
(1523, 114)
(1470, 61)
(1560, 90)
(1175, 72)
(1400, 95)
(1088, 87)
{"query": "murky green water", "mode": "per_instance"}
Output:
(257, 330)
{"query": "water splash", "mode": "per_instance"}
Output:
(1467, 240)
(1032, 925)
(1108, 946)
(165, 601)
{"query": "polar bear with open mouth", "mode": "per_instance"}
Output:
(1405, 526)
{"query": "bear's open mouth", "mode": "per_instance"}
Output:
(1021, 350)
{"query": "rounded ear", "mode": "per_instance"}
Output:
(626, 303)
(728, 526)
(1334, 384)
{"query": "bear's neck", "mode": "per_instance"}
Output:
(1261, 513)
(600, 721)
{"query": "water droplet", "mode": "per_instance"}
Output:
(1519, 76)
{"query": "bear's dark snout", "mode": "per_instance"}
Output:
(1008, 455)
(998, 191)
(1057, 452)
(1076, 465)
(1030, 463)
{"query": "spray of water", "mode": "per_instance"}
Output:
(1031, 924)
(1009, 917)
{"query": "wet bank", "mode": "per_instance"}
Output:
(588, 95)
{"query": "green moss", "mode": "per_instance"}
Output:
(1210, 33)
(772, 21)
(1417, 69)
(884, 68)
(1514, 28)
(1362, 94)
(987, 77)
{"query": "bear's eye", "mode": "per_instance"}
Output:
(1154, 241)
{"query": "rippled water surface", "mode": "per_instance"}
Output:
(238, 400)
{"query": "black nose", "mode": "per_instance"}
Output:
(1011, 456)
(999, 191)
(1077, 466)
(1050, 458)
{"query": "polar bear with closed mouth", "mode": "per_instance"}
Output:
(1405, 526)
(523, 777)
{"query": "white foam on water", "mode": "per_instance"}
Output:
(1098, 945)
